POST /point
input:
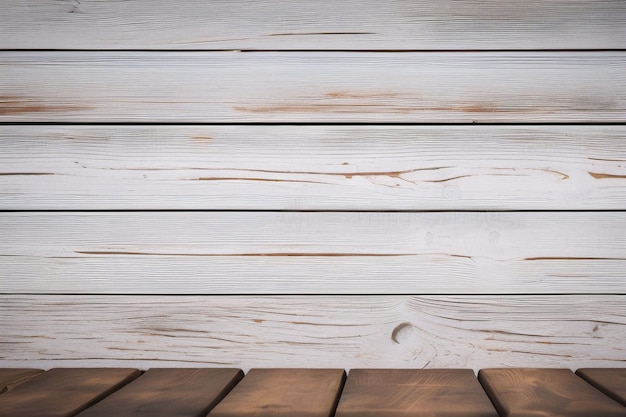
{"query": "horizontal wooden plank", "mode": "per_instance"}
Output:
(313, 87)
(316, 252)
(320, 24)
(239, 167)
(314, 332)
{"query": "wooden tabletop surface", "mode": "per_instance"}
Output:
(301, 392)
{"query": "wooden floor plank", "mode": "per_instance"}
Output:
(9, 377)
(611, 381)
(545, 392)
(168, 392)
(241, 167)
(313, 87)
(63, 392)
(415, 393)
(317, 24)
(284, 393)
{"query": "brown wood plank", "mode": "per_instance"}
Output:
(545, 392)
(611, 381)
(284, 392)
(169, 392)
(413, 392)
(63, 392)
(9, 377)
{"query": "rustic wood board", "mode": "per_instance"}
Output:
(321, 24)
(611, 381)
(235, 167)
(472, 331)
(312, 253)
(63, 392)
(284, 393)
(545, 392)
(313, 87)
(169, 392)
(414, 393)
(10, 377)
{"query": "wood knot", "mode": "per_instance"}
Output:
(400, 328)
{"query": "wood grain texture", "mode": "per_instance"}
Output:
(10, 377)
(312, 253)
(414, 393)
(284, 393)
(545, 392)
(63, 392)
(321, 24)
(611, 381)
(314, 87)
(315, 332)
(168, 392)
(313, 167)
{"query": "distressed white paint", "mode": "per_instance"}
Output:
(208, 256)
(344, 332)
(312, 167)
(312, 253)
(313, 87)
(318, 24)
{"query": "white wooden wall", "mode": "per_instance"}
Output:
(425, 183)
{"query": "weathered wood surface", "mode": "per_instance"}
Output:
(320, 24)
(611, 381)
(284, 393)
(313, 87)
(312, 253)
(67, 279)
(14, 376)
(368, 392)
(414, 393)
(545, 392)
(321, 332)
(63, 392)
(47, 167)
(168, 392)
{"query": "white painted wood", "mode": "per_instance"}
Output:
(320, 24)
(313, 253)
(344, 332)
(313, 87)
(313, 167)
